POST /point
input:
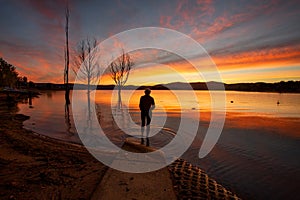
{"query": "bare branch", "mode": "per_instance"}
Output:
(85, 61)
(120, 69)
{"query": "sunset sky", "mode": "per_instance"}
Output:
(249, 40)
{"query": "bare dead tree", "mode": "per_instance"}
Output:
(85, 62)
(119, 71)
(67, 57)
(86, 66)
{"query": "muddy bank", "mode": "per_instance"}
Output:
(38, 167)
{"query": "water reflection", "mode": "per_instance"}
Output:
(89, 105)
(119, 104)
(147, 135)
(30, 100)
(67, 118)
(49, 94)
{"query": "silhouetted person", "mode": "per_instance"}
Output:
(146, 106)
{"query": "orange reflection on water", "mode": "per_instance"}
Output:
(165, 100)
(244, 110)
(283, 126)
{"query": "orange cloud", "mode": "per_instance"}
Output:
(201, 21)
(256, 58)
(247, 66)
(187, 13)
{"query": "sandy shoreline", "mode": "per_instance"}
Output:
(36, 167)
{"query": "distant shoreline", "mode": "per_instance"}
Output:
(278, 87)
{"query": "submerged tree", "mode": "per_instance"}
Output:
(85, 62)
(86, 66)
(119, 71)
(67, 59)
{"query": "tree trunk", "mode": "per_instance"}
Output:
(67, 93)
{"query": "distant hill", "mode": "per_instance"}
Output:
(289, 86)
(283, 86)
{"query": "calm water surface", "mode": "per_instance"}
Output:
(256, 155)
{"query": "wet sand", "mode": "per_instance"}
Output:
(37, 167)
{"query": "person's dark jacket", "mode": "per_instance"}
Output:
(146, 102)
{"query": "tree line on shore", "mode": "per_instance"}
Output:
(10, 78)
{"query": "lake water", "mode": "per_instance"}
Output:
(256, 155)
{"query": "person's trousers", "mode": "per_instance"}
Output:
(145, 116)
